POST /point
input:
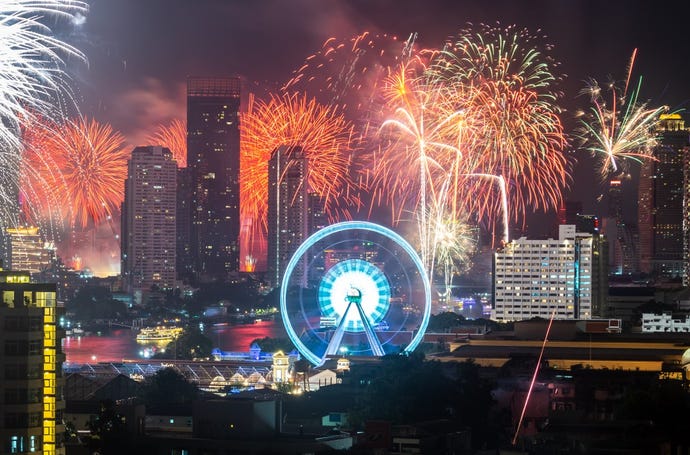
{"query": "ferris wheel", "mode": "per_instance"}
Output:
(355, 288)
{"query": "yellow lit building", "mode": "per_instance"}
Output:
(27, 250)
(31, 402)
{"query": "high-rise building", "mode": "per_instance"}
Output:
(27, 251)
(183, 216)
(538, 277)
(621, 234)
(213, 157)
(661, 201)
(288, 205)
(31, 401)
(148, 220)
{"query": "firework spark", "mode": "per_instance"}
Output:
(174, 137)
(505, 85)
(31, 80)
(621, 130)
(326, 139)
(90, 168)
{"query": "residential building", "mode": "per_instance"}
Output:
(213, 157)
(27, 250)
(148, 220)
(545, 278)
(31, 385)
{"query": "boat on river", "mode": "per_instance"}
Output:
(159, 334)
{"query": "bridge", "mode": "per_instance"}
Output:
(211, 376)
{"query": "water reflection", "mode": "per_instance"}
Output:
(121, 344)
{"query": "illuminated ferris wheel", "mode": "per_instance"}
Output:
(355, 288)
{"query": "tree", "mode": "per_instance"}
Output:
(168, 386)
(272, 345)
(108, 430)
(96, 302)
(192, 344)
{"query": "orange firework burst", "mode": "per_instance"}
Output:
(326, 139)
(174, 137)
(87, 164)
(39, 176)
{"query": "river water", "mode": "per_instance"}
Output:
(120, 344)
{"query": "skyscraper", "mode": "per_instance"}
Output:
(31, 402)
(148, 220)
(213, 157)
(661, 206)
(288, 205)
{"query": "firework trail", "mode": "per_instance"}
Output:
(40, 178)
(174, 137)
(621, 130)
(505, 87)
(90, 166)
(294, 120)
(415, 156)
(349, 73)
(31, 81)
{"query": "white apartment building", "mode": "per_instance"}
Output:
(664, 322)
(534, 278)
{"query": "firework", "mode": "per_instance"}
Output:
(621, 130)
(349, 73)
(505, 87)
(294, 120)
(415, 156)
(174, 137)
(31, 79)
(90, 165)
(39, 177)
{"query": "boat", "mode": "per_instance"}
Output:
(159, 334)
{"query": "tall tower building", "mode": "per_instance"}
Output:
(31, 402)
(288, 204)
(213, 156)
(148, 220)
(185, 257)
(661, 206)
(537, 277)
(622, 238)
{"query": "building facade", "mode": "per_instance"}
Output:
(538, 278)
(288, 210)
(148, 220)
(661, 204)
(213, 157)
(27, 251)
(31, 401)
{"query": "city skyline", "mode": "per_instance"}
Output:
(589, 40)
(146, 86)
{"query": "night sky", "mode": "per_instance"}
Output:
(140, 52)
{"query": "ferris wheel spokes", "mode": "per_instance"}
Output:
(354, 297)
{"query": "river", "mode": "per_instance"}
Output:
(120, 344)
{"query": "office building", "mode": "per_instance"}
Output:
(535, 278)
(621, 234)
(288, 205)
(185, 258)
(213, 157)
(148, 220)
(31, 402)
(27, 251)
(661, 202)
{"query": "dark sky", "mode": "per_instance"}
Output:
(141, 51)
